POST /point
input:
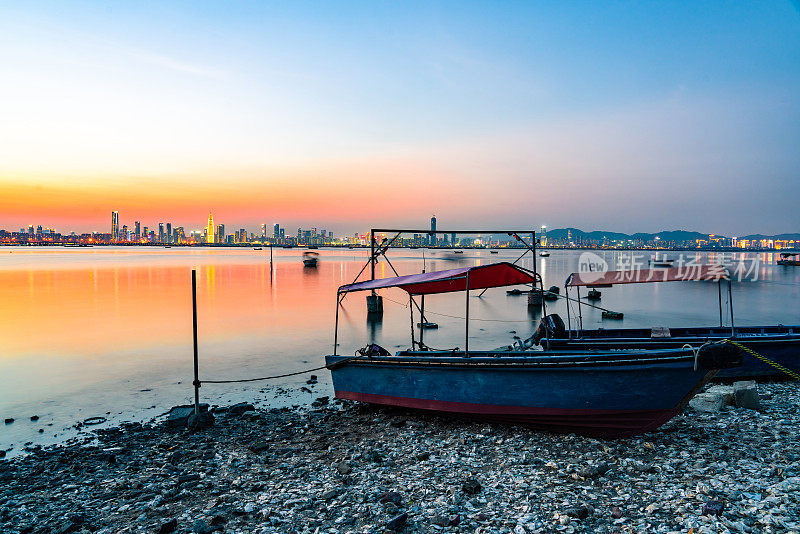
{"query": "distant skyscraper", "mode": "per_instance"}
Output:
(276, 231)
(452, 240)
(160, 232)
(220, 233)
(39, 230)
(30, 229)
(210, 229)
(169, 232)
(264, 230)
(114, 225)
(124, 233)
(543, 237)
(137, 227)
(432, 239)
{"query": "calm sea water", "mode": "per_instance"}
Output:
(107, 331)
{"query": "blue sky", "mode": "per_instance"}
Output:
(601, 115)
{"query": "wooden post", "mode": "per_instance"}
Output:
(196, 382)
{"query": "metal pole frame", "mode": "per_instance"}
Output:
(730, 301)
(580, 314)
(411, 309)
(719, 295)
(196, 382)
(336, 325)
(466, 324)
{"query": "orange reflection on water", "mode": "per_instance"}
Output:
(98, 311)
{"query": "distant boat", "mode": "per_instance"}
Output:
(256, 248)
(310, 259)
(593, 295)
(608, 314)
(288, 246)
(515, 292)
(544, 254)
(786, 258)
(492, 252)
(427, 325)
(458, 252)
(552, 293)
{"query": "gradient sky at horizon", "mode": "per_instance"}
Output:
(598, 115)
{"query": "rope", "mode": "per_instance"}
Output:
(766, 360)
(304, 371)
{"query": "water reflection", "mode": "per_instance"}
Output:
(79, 327)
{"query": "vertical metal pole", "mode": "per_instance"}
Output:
(336, 326)
(466, 326)
(569, 322)
(580, 313)
(730, 300)
(372, 254)
(422, 320)
(719, 294)
(411, 309)
(270, 255)
(196, 382)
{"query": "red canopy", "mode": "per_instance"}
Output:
(636, 276)
(480, 277)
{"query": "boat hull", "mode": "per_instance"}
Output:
(606, 396)
(780, 344)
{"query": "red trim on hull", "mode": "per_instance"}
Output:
(587, 422)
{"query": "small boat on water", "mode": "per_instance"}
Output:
(778, 342)
(257, 248)
(515, 292)
(593, 295)
(493, 252)
(597, 393)
(789, 258)
(552, 293)
(458, 252)
(544, 254)
(310, 259)
(655, 261)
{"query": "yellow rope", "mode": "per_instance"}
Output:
(766, 360)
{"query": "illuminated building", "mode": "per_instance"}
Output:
(160, 232)
(432, 238)
(114, 225)
(210, 229)
(220, 233)
(137, 230)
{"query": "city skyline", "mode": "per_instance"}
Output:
(594, 115)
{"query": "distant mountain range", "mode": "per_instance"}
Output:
(675, 236)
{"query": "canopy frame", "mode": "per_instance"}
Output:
(722, 274)
(378, 250)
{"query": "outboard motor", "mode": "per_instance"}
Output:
(551, 327)
(374, 349)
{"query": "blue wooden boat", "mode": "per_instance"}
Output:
(778, 343)
(597, 393)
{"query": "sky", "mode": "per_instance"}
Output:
(623, 116)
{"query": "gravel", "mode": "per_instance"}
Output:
(346, 467)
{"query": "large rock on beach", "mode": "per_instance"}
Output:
(746, 395)
(707, 402)
(179, 415)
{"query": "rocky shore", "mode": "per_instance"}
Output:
(344, 467)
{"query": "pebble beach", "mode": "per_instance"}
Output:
(344, 467)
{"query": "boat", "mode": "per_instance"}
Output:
(595, 393)
(458, 252)
(544, 254)
(552, 293)
(428, 325)
(779, 343)
(515, 292)
(310, 259)
(257, 248)
(789, 258)
(608, 314)
(593, 294)
(493, 252)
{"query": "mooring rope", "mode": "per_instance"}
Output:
(766, 360)
(273, 377)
